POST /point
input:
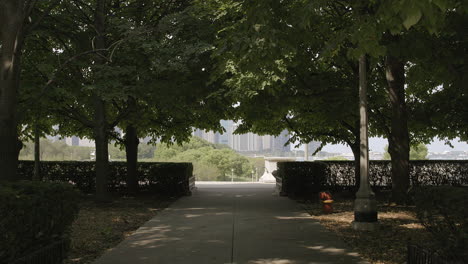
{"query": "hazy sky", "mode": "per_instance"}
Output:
(378, 144)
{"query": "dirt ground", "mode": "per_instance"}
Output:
(398, 226)
(100, 227)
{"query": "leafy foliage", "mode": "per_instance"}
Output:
(162, 178)
(55, 150)
(34, 214)
(417, 152)
(211, 161)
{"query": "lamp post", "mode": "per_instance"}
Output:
(252, 175)
(232, 175)
(365, 206)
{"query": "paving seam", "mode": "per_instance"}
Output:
(234, 207)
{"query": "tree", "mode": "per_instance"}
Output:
(18, 19)
(301, 82)
(417, 152)
(387, 31)
(211, 161)
(131, 86)
(177, 72)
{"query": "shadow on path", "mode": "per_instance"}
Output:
(232, 223)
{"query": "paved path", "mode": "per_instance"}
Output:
(231, 223)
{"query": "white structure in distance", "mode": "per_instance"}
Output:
(271, 166)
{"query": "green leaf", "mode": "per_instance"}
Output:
(442, 4)
(412, 19)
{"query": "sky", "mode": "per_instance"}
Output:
(378, 144)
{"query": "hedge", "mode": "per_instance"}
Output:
(300, 178)
(297, 177)
(442, 211)
(34, 215)
(165, 178)
(340, 174)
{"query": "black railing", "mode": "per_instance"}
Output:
(53, 253)
(419, 255)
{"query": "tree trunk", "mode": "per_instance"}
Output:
(11, 39)
(37, 155)
(131, 151)
(102, 151)
(398, 140)
(100, 120)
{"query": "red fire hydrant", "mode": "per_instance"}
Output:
(327, 201)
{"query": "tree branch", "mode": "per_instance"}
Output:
(32, 26)
(73, 113)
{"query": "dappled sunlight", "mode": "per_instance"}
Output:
(273, 261)
(292, 217)
(342, 217)
(242, 226)
(397, 216)
(153, 229)
(152, 242)
(328, 250)
(189, 209)
(192, 215)
(412, 226)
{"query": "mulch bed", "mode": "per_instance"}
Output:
(398, 226)
(100, 227)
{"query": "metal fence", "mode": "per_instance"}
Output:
(54, 253)
(419, 255)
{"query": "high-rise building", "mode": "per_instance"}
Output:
(75, 141)
(210, 136)
(225, 138)
(279, 142)
(249, 142)
(198, 133)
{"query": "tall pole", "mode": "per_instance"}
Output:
(365, 206)
(232, 175)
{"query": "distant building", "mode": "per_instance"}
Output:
(280, 142)
(75, 141)
(225, 138)
(249, 142)
(198, 133)
(210, 136)
(448, 155)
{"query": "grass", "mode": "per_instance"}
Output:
(398, 226)
(100, 227)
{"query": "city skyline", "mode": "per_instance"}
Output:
(248, 142)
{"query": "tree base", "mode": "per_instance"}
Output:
(365, 226)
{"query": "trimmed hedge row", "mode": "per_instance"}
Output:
(165, 178)
(340, 174)
(34, 215)
(300, 178)
(306, 177)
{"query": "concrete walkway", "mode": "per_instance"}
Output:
(231, 223)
